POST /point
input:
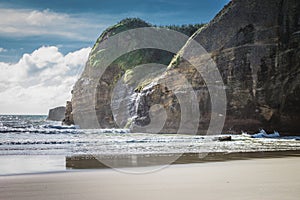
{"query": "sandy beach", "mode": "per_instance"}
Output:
(272, 178)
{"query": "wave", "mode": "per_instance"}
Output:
(34, 142)
(263, 134)
(37, 130)
(58, 129)
(111, 130)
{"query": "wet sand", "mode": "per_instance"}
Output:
(272, 178)
(145, 160)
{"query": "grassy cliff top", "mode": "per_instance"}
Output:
(131, 23)
(141, 56)
(123, 25)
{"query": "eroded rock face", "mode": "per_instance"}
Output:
(255, 45)
(94, 99)
(56, 114)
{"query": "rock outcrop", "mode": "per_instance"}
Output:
(98, 92)
(68, 116)
(56, 114)
(255, 46)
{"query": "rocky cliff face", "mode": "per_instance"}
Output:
(56, 114)
(255, 45)
(100, 85)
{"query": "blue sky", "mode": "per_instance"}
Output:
(86, 19)
(40, 38)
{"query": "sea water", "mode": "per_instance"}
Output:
(33, 137)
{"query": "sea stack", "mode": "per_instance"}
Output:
(68, 116)
(57, 114)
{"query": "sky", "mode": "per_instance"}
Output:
(44, 44)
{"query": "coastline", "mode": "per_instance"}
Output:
(272, 178)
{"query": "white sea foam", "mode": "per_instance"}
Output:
(28, 135)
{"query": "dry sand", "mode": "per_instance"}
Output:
(273, 178)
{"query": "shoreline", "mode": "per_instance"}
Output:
(272, 178)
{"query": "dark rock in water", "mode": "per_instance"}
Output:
(224, 138)
(256, 47)
(57, 114)
(68, 115)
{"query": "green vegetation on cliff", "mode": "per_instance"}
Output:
(187, 29)
(140, 56)
(123, 25)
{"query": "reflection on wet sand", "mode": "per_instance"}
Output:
(144, 160)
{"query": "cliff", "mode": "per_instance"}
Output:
(56, 114)
(99, 82)
(255, 46)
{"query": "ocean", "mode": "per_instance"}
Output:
(25, 137)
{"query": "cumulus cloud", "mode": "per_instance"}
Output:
(40, 80)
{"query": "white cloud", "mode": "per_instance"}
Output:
(2, 50)
(45, 18)
(40, 80)
(25, 22)
(78, 26)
